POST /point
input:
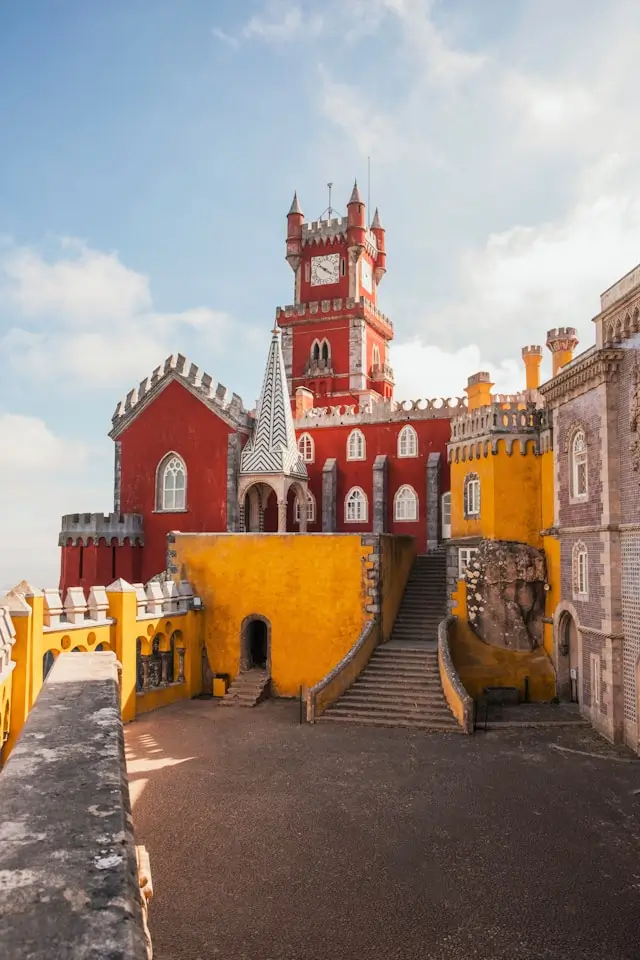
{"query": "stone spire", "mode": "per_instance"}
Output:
(375, 223)
(272, 448)
(355, 194)
(295, 204)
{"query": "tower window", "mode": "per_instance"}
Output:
(580, 572)
(306, 447)
(472, 495)
(356, 506)
(311, 509)
(405, 504)
(171, 484)
(315, 351)
(356, 446)
(407, 442)
(342, 267)
(307, 271)
(579, 486)
(325, 351)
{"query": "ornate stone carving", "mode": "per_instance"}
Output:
(506, 594)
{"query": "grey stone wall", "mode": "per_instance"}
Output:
(234, 448)
(379, 494)
(587, 412)
(329, 495)
(68, 863)
(433, 500)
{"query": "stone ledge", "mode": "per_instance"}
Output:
(68, 864)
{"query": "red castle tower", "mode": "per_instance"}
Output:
(335, 340)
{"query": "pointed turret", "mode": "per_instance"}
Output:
(381, 260)
(272, 448)
(356, 224)
(295, 219)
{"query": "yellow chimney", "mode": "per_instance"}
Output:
(532, 357)
(478, 391)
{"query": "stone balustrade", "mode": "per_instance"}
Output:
(508, 415)
(73, 884)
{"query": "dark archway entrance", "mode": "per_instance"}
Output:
(568, 672)
(256, 639)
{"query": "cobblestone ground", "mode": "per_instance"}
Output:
(270, 840)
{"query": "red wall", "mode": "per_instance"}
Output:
(87, 565)
(381, 438)
(175, 421)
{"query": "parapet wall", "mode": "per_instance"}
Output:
(507, 414)
(382, 411)
(70, 882)
(344, 305)
(82, 527)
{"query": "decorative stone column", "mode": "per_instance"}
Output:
(380, 494)
(145, 658)
(165, 656)
(282, 516)
(241, 525)
(181, 652)
(303, 507)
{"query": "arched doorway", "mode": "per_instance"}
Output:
(568, 659)
(256, 643)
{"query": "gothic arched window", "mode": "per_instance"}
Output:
(356, 446)
(171, 484)
(356, 506)
(579, 486)
(311, 509)
(407, 442)
(306, 447)
(315, 351)
(580, 571)
(472, 495)
(326, 352)
(405, 504)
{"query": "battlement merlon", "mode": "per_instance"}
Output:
(562, 339)
(510, 414)
(381, 411)
(82, 527)
(201, 384)
(293, 314)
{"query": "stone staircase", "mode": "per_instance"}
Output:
(424, 603)
(248, 689)
(400, 686)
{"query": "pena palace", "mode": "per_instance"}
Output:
(327, 433)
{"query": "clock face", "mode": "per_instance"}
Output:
(325, 269)
(366, 276)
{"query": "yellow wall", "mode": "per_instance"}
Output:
(311, 588)
(481, 665)
(118, 633)
(396, 559)
(484, 525)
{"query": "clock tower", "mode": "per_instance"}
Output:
(334, 338)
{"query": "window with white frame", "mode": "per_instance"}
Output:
(405, 504)
(356, 446)
(311, 509)
(375, 355)
(595, 680)
(356, 506)
(171, 485)
(306, 447)
(580, 571)
(407, 442)
(472, 495)
(466, 556)
(446, 515)
(579, 465)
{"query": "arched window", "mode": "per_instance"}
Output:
(326, 352)
(405, 504)
(306, 447)
(472, 495)
(580, 571)
(407, 442)
(446, 515)
(311, 509)
(579, 465)
(356, 506)
(171, 488)
(356, 446)
(315, 352)
(375, 355)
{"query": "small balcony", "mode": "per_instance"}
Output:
(318, 368)
(381, 371)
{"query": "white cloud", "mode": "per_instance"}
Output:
(84, 317)
(280, 22)
(424, 371)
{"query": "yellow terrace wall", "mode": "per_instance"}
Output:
(316, 591)
(481, 665)
(118, 619)
(396, 559)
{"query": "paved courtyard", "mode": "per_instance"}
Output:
(270, 840)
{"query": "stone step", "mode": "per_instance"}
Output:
(418, 660)
(392, 669)
(379, 721)
(427, 702)
(395, 689)
(387, 713)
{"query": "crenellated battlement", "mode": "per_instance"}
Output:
(381, 411)
(343, 305)
(177, 367)
(510, 413)
(7, 640)
(78, 609)
(82, 527)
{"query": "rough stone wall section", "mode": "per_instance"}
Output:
(379, 493)
(372, 584)
(329, 495)
(70, 885)
(233, 468)
(433, 500)
(117, 475)
(357, 354)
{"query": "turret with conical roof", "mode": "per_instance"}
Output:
(356, 223)
(295, 219)
(381, 260)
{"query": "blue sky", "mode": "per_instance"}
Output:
(149, 153)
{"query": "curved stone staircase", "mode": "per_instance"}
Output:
(400, 686)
